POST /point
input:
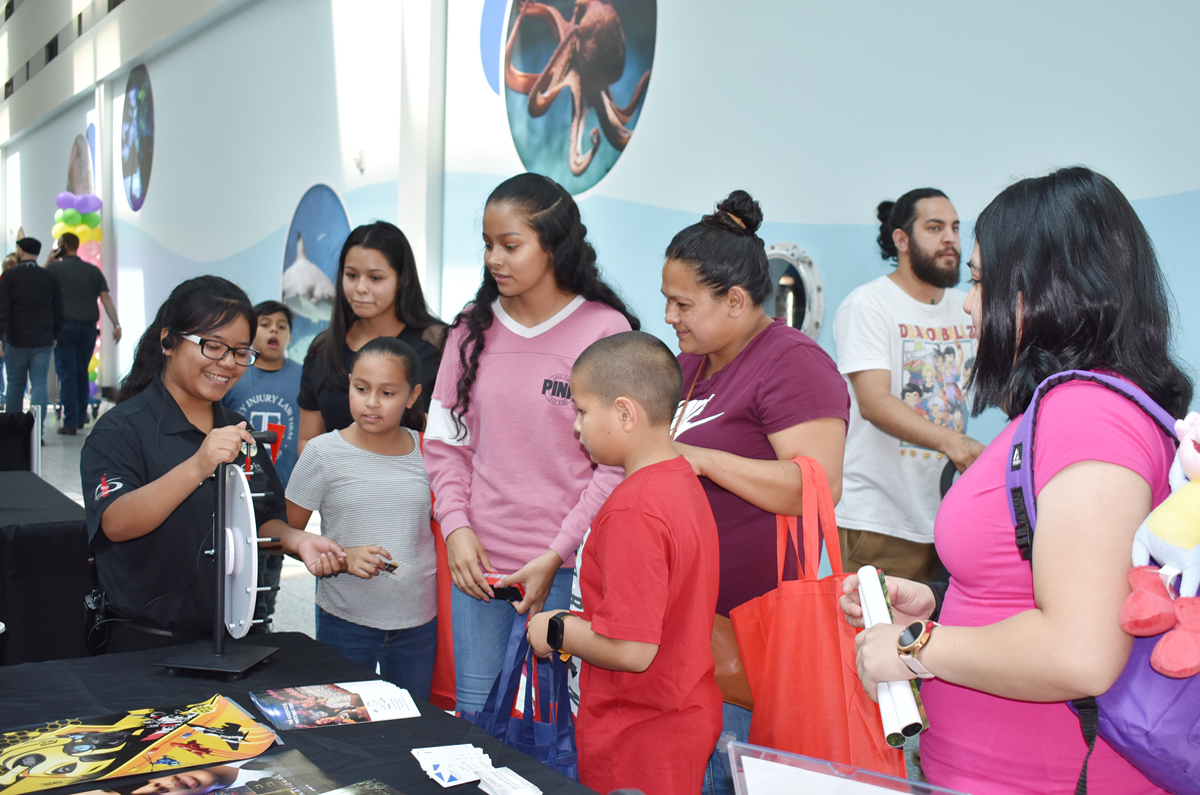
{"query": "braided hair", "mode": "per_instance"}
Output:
(554, 217)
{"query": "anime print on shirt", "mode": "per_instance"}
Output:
(935, 362)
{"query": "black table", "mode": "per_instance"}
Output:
(38, 692)
(44, 571)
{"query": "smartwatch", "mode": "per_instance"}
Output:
(555, 631)
(909, 644)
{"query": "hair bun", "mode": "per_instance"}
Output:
(884, 211)
(738, 212)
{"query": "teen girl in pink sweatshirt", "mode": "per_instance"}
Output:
(515, 490)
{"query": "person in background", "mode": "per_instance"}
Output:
(1063, 277)
(759, 394)
(901, 339)
(378, 295)
(82, 283)
(10, 261)
(266, 394)
(31, 316)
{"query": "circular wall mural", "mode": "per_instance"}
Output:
(575, 76)
(318, 230)
(79, 168)
(137, 136)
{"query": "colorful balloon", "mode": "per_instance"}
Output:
(65, 200)
(92, 219)
(58, 229)
(87, 203)
(58, 215)
(81, 231)
(72, 217)
(93, 389)
(97, 234)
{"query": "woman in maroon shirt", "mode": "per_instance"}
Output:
(759, 393)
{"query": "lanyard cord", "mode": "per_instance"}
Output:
(686, 400)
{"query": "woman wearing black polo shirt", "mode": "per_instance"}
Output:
(378, 295)
(146, 470)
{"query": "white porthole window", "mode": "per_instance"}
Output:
(799, 296)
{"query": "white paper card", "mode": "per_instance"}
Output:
(772, 778)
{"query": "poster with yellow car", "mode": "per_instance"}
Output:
(62, 752)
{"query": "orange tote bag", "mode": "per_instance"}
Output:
(798, 651)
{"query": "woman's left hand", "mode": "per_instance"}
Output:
(537, 575)
(694, 455)
(877, 658)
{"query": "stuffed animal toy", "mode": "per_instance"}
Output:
(1171, 536)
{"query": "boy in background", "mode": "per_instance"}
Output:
(650, 709)
(267, 394)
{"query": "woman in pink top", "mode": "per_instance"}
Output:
(514, 489)
(1063, 277)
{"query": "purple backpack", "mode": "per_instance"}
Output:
(1150, 719)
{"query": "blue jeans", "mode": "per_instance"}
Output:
(735, 725)
(481, 631)
(404, 656)
(23, 363)
(76, 344)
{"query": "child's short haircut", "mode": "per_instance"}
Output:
(637, 365)
(271, 307)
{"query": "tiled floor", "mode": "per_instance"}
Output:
(294, 609)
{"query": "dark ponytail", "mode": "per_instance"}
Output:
(553, 215)
(198, 306)
(724, 249)
(900, 214)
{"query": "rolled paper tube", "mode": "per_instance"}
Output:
(900, 694)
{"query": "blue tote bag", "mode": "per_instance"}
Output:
(541, 726)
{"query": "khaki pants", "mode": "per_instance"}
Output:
(894, 556)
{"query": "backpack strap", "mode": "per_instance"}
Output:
(1089, 722)
(1018, 478)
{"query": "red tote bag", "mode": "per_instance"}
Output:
(798, 651)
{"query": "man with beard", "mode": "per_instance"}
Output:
(891, 334)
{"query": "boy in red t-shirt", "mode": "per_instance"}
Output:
(649, 709)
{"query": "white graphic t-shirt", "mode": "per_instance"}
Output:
(890, 486)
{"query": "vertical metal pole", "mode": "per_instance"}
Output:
(219, 555)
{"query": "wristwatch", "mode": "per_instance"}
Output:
(556, 631)
(911, 641)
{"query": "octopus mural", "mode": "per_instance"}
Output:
(587, 60)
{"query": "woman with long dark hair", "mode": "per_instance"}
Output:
(146, 470)
(515, 489)
(378, 295)
(1064, 277)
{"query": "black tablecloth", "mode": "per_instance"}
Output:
(37, 692)
(44, 573)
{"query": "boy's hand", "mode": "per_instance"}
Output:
(536, 632)
(537, 576)
(365, 561)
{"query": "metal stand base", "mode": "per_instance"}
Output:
(199, 658)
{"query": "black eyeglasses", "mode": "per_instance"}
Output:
(217, 350)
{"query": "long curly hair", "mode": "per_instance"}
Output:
(554, 217)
